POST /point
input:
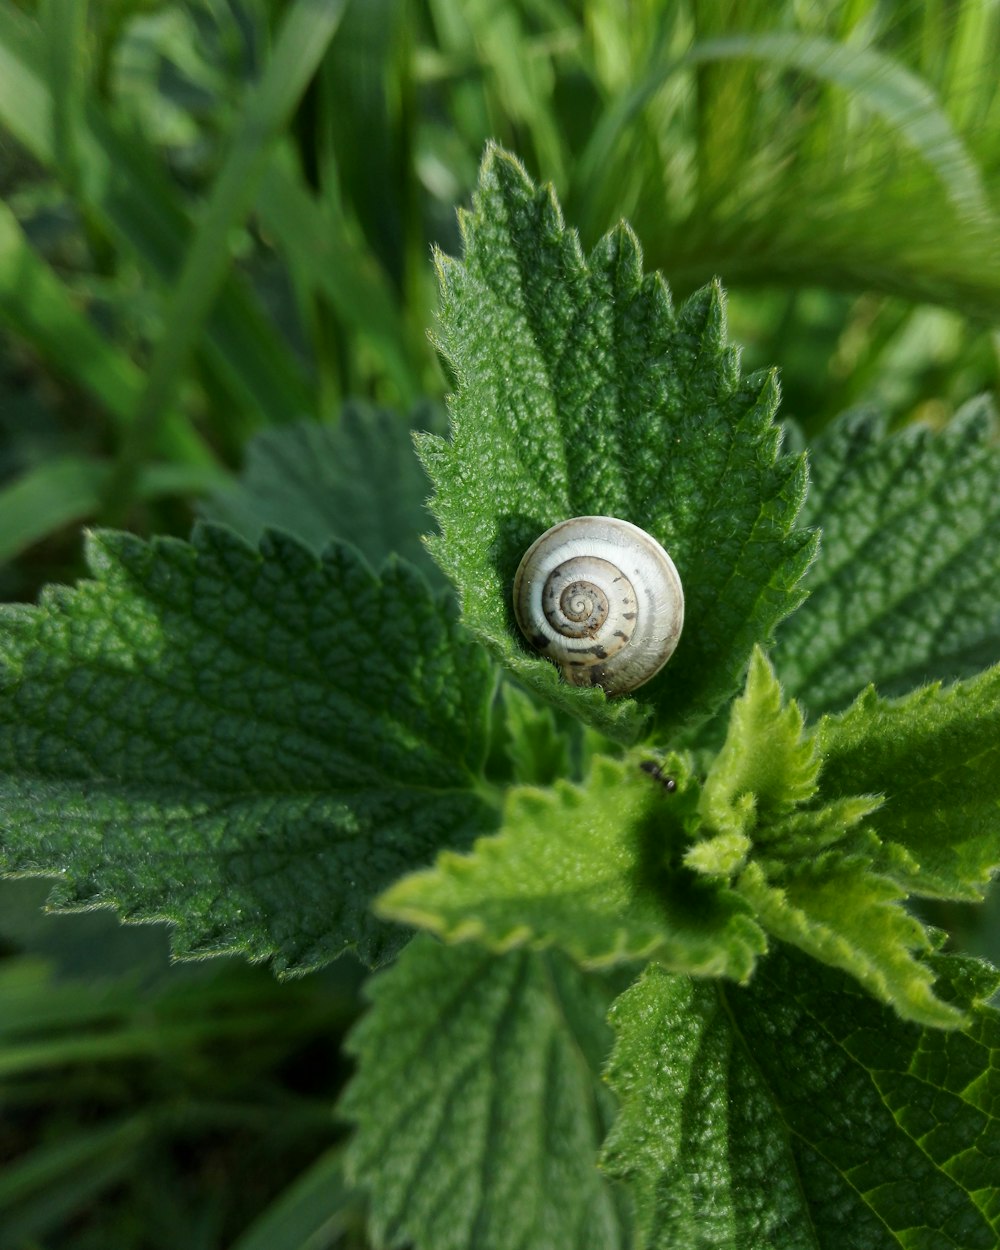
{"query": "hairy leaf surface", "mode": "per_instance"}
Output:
(248, 743)
(479, 1106)
(579, 390)
(937, 754)
(798, 1114)
(593, 869)
(907, 585)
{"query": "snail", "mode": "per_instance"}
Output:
(602, 599)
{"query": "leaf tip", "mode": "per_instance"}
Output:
(503, 171)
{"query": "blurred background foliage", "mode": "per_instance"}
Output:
(216, 219)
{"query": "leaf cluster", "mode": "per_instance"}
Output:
(791, 846)
(214, 220)
(268, 742)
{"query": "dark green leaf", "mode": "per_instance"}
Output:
(358, 481)
(907, 585)
(580, 391)
(799, 1114)
(478, 1104)
(251, 744)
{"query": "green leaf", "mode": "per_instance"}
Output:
(593, 869)
(765, 758)
(530, 744)
(478, 1104)
(696, 878)
(907, 586)
(849, 917)
(937, 755)
(251, 744)
(815, 877)
(798, 1113)
(537, 752)
(357, 480)
(580, 391)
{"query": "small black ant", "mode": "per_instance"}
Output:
(658, 775)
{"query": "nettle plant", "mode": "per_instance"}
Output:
(682, 999)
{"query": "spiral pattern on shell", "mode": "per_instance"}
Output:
(602, 599)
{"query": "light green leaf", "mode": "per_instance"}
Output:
(766, 766)
(620, 867)
(357, 480)
(937, 755)
(907, 585)
(478, 1105)
(817, 876)
(846, 916)
(808, 832)
(580, 391)
(251, 744)
(593, 869)
(722, 854)
(797, 1113)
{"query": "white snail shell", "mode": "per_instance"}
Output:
(602, 599)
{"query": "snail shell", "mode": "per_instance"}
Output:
(602, 599)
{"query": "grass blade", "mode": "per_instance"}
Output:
(123, 188)
(39, 308)
(885, 85)
(64, 23)
(301, 43)
(40, 1191)
(328, 261)
(311, 1211)
(68, 490)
